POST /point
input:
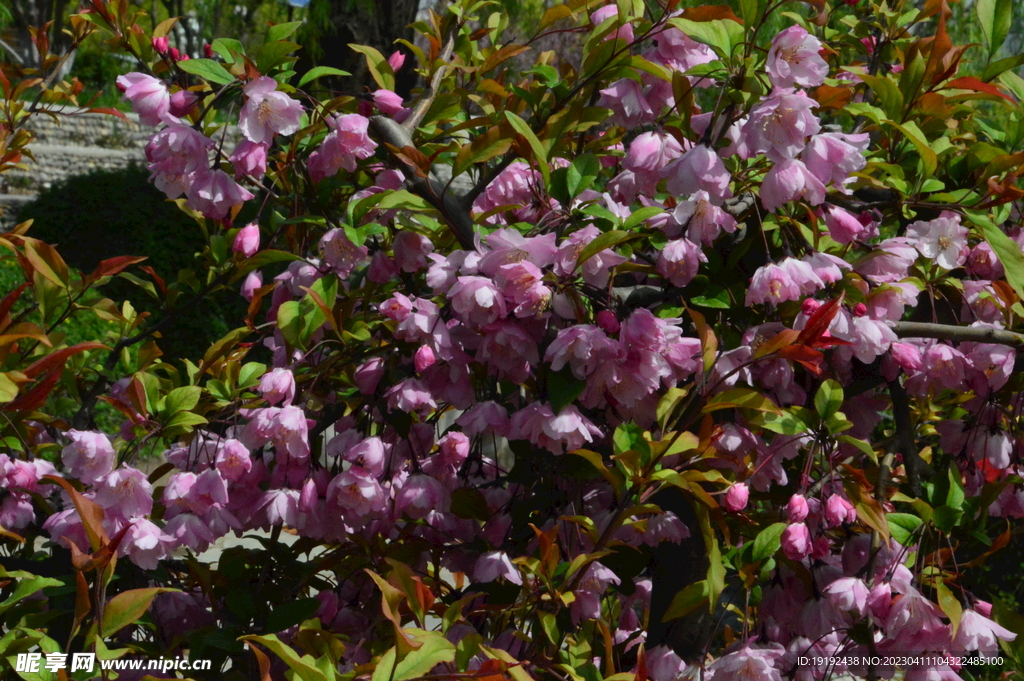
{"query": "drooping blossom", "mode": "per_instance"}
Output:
(214, 194)
(679, 261)
(89, 457)
(247, 241)
(788, 181)
(835, 156)
(249, 158)
(699, 169)
(780, 125)
(347, 143)
(793, 59)
(148, 96)
(267, 112)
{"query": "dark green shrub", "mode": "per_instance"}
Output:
(106, 213)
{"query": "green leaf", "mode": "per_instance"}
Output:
(320, 72)
(483, 148)
(250, 374)
(207, 69)
(304, 666)
(945, 518)
(955, 496)
(26, 586)
(610, 239)
(745, 398)
(641, 215)
(687, 600)
(1006, 249)
(539, 152)
(996, 17)
(768, 541)
(563, 389)
(127, 607)
(722, 35)
(581, 174)
(289, 320)
(950, 605)
(274, 54)
(182, 399)
(828, 399)
(282, 31)
(902, 526)
(929, 159)
(888, 94)
(225, 47)
(549, 625)
(714, 296)
(379, 67)
(435, 650)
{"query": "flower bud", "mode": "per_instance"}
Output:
(607, 321)
(396, 60)
(796, 509)
(796, 541)
(208, 50)
(736, 497)
(424, 358)
(161, 45)
(182, 102)
(247, 241)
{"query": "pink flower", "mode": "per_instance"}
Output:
(749, 664)
(340, 253)
(735, 498)
(356, 494)
(410, 395)
(781, 124)
(247, 241)
(796, 541)
(182, 103)
(943, 239)
(699, 169)
(578, 346)
(794, 60)
(396, 60)
(249, 158)
(267, 112)
(623, 32)
(978, 632)
(347, 143)
(796, 509)
(126, 491)
(278, 385)
(889, 261)
(848, 594)
(494, 564)
(983, 263)
(233, 460)
(89, 457)
(390, 104)
(477, 300)
(175, 153)
(214, 194)
(679, 261)
(647, 155)
(565, 432)
(945, 365)
(148, 96)
(703, 220)
(771, 284)
(790, 180)
(420, 495)
(411, 251)
(368, 374)
(836, 156)
(482, 417)
(423, 358)
(679, 52)
(145, 544)
(843, 227)
(625, 97)
(596, 268)
(522, 284)
(253, 281)
(839, 511)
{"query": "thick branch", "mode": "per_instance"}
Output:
(451, 208)
(958, 333)
(906, 443)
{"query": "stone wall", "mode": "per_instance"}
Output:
(75, 145)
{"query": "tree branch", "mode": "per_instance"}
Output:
(905, 441)
(451, 208)
(958, 333)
